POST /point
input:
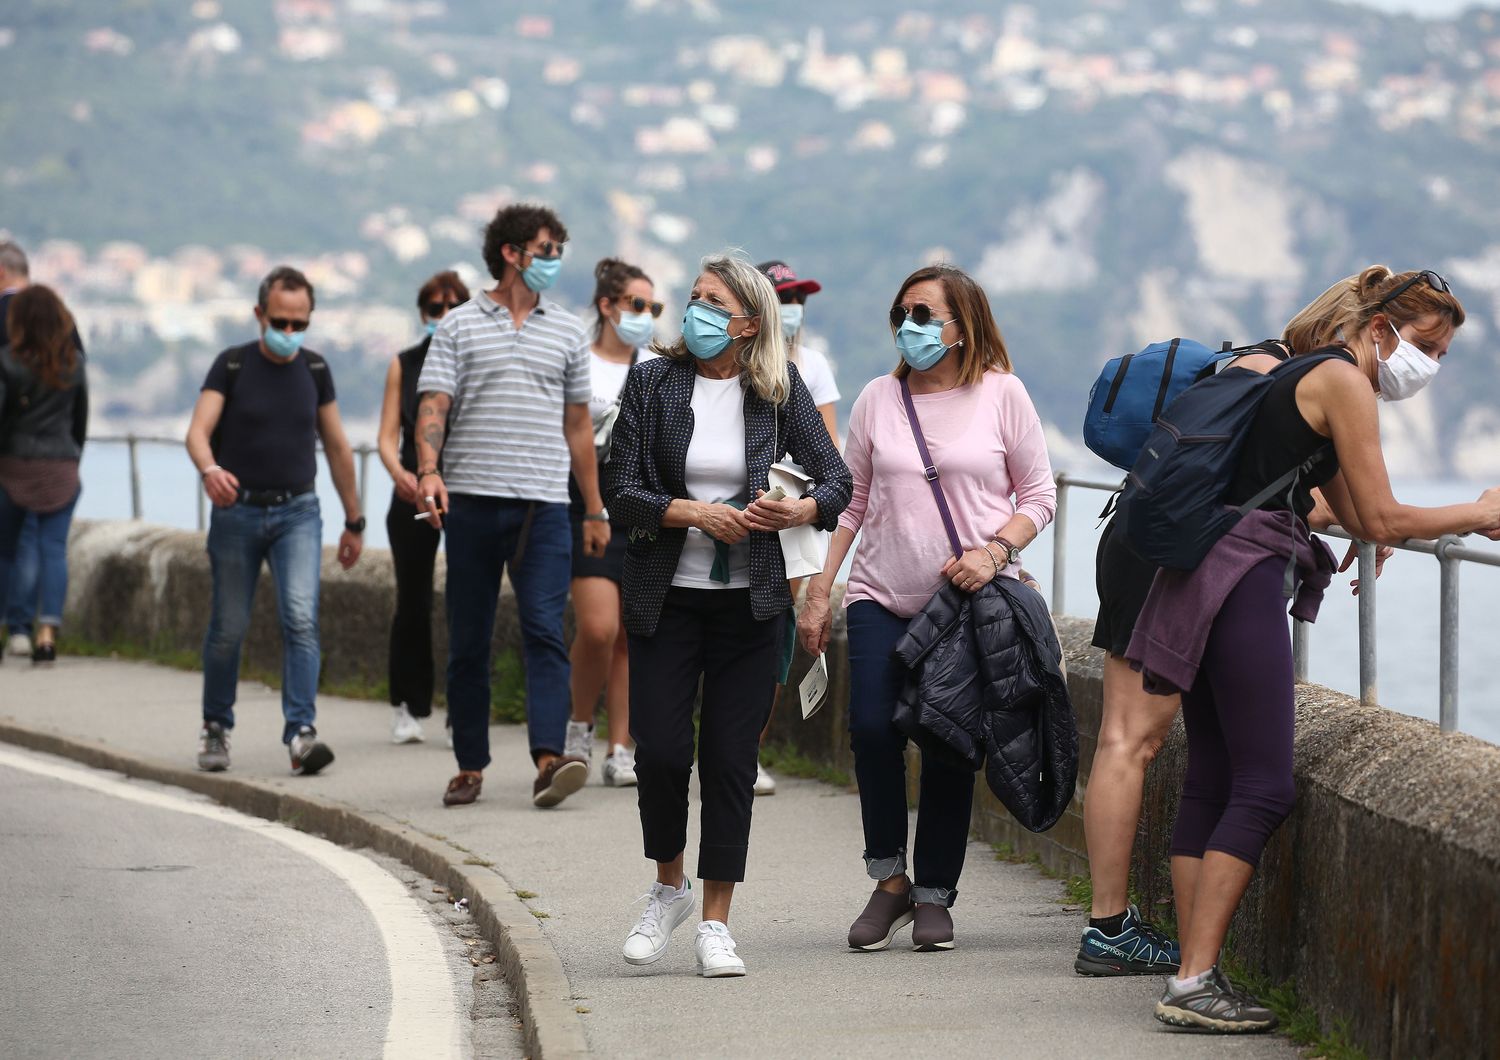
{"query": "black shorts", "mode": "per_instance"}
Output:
(1123, 579)
(611, 565)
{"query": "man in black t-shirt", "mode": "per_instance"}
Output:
(253, 438)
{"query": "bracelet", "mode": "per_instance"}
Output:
(209, 470)
(993, 560)
(430, 471)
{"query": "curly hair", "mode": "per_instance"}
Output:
(517, 225)
(41, 331)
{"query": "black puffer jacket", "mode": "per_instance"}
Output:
(986, 687)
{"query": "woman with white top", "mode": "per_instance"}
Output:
(705, 584)
(626, 312)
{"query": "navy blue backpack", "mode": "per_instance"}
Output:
(1172, 509)
(1132, 390)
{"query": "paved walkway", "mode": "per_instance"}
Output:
(1007, 990)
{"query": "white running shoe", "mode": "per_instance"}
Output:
(619, 767)
(579, 742)
(716, 956)
(666, 907)
(765, 784)
(19, 644)
(404, 727)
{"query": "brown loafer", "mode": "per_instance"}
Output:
(561, 778)
(885, 914)
(932, 928)
(463, 789)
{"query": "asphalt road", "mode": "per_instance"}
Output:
(141, 921)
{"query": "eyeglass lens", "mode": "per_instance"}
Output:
(282, 324)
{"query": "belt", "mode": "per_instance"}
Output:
(271, 498)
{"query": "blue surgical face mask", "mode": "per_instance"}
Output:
(634, 329)
(921, 345)
(541, 273)
(791, 320)
(705, 330)
(283, 345)
(431, 327)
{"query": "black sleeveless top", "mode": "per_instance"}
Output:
(1279, 440)
(411, 371)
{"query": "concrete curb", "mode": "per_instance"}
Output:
(549, 1016)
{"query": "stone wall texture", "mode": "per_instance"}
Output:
(1380, 895)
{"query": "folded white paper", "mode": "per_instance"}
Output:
(814, 687)
(804, 548)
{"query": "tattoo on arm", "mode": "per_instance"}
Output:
(432, 416)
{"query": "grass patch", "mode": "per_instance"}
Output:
(484, 863)
(525, 895)
(784, 759)
(508, 689)
(541, 915)
(1077, 890)
(1297, 1019)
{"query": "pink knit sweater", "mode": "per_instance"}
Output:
(987, 443)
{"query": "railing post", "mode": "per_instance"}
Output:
(1448, 567)
(1060, 547)
(202, 506)
(135, 477)
(1299, 651)
(1367, 692)
(364, 476)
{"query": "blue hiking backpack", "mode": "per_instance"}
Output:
(1131, 392)
(1172, 508)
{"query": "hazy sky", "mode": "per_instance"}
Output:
(1427, 7)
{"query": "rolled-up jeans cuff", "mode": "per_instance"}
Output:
(943, 896)
(885, 868)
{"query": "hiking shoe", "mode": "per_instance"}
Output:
(213, 747)
(562, 777)
(716, 956)
(885, 914)
(932, 928)
(404, 727)
(579, 743)
(765, 784)
(19, 645)
(666, 907)
(1139, 949)
(619, 767)
(309, 754)
(463, 789)
(1214, 1005)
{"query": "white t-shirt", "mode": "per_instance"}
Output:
(609, 380)
(714, 472)
(817, 373)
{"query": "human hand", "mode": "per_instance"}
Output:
(595, 537)
(432, 497)
(406, 486)
(815, 622)
(972, 571)
(222, 487)
(350, 546)
(1489, 505)
(723, 523)
(766, 514)
(1382, 553)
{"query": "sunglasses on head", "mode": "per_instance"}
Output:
(546, 249)
(1433, 280)
(640, 305)
(921, 315)
(283, 324)
(437, 309)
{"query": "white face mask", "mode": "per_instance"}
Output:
(1406, 371)
(791, 320)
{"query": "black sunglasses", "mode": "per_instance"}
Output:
(437, 309)
(282, 324)
(1436, 282)
(921, 315)
(792, 297)
(640, 305)
(548, 249)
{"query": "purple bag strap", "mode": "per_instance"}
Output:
(930, 470)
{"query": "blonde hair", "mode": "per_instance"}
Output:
(763, 357)
(1340, 313)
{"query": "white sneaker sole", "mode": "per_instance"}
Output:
(874, 947)
(405, 738)
(728, 971)
(1175, 1016)
(673, 923)
(612, 780)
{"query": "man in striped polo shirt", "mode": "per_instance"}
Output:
(504, 406)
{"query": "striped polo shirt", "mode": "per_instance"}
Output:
(505, 429)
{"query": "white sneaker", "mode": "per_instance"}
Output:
(404, 727)
(765, 784)
(666, 907)
(579, 742)
(19, 644)
(716, 956)
(619, 767)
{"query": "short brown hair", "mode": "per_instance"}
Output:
(983, 347)
(40, 331)
(446, 282)
(288, 279)
(611, 277)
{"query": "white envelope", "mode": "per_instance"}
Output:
(804, 548)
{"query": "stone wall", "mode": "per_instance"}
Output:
(1380, 895)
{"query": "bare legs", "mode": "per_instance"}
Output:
(1208, 891)
(1134, 726)
(717, 894)
(599, 657)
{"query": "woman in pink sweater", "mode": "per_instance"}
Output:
(986, 442)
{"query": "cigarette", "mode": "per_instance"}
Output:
(423, 515)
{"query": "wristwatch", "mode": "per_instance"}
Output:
(1012, 553)
(601, 516)
(355, 526)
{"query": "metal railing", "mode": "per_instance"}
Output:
(133, 442)
(1449, 550)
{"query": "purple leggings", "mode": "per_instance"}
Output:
(1239, 713)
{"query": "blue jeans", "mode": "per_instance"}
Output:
(484, 535)
(240, 538)
(946, 795)
(33, 563)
